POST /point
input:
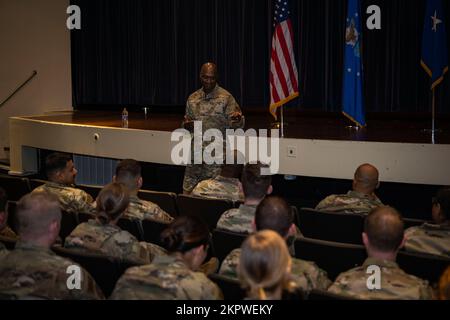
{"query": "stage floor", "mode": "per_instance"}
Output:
(319, 127)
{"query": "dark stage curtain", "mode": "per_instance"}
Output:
(148, 53)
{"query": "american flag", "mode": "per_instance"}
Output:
(283, 71)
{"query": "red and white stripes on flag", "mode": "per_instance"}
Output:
(283, 70)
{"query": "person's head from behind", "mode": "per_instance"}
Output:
(255, 185)
(208, 76)
(111, 202)
(265, 265)
(383, 233)
(3, 209)
(59, 168)
(188, 238)
(233, 169)
(39, 218)
(365, 179)
(274, 213)
(129, 173)
(441, 206)
(444, 285)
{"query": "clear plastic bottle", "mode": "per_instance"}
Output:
(124, 118)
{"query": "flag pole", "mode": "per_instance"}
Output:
(433, 113)
(282, 121)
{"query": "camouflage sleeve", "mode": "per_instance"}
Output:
(233, 106)
(426, 292)
(324, 203)
(230, 264)
(189, 114)
(158, 214)
(319, 278)
(83, 203)
(209, 290)
(89, 289)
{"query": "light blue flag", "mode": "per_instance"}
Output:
(434, 45)
(352, 95)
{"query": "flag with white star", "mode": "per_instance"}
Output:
(352, 91)
(434, 46)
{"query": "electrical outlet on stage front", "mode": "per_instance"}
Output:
(292, 152)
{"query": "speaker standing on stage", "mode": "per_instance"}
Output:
(215, 108)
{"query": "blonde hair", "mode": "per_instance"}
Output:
(264, 264)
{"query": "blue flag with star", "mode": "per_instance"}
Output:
(352, 92)
(434, 46)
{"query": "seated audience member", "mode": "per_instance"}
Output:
(102, 235)
(5, 230)
(224, 186)
(275, 214)
(128, 172)
(61, 174)
(361, 199)
(383, 237)
(444, 285)
(264, 268)
(32, 270)
(255, 187)
(433, 238)
(175, 276)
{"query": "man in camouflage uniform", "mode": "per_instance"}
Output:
(361, 199)
(255, 187)
(433, 238)
(224, 186)
(216, 109)
(167, 278)
(110, 240)
(128, 172)
(5, 230)
(61, 174)
(275, 214)
(32, 270)
(383, 236)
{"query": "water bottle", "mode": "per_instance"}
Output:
(124, 118)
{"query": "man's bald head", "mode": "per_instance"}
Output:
(384, 229)
(36, 212)
(208, 76)
(365, 179)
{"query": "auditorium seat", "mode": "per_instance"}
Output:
(331, 226)
(413, 222)
(209, 210)
(69, 222)
(15, 187)
(133, 226)
(90, 189)
(152, 231)
(166, 200)
(425, 266)
(231, 288)
(8, 242)
(84, 217)
(105, 270)
(333, 257)
(226, 241)
(34, 183)
(12, 220)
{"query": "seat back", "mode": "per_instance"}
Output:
(230, 288)
(15, 187)
(84, 217)
(34, 183)
(333, 257)
(165, 200)
(424, 266)
(209, 210)
(225, 241)
(92, 190)
(105, 270)
(12, 218)
(133, 226)
(408, 222)
(8, 242)
(69, 222)
(152, 231)
(331, 226)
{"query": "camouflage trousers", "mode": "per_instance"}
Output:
(195, 173)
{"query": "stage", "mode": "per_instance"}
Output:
(313, 145)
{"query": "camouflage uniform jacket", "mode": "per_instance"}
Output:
(238, 219)
(31, 271)
(352, 202)
(141, 209)
(429, 238)
(306, 275)
(8, 233)
(219, 188)
(167, 278)
(71, 199)
(112, 241)
(395, 283)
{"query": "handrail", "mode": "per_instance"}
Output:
(19, 87)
